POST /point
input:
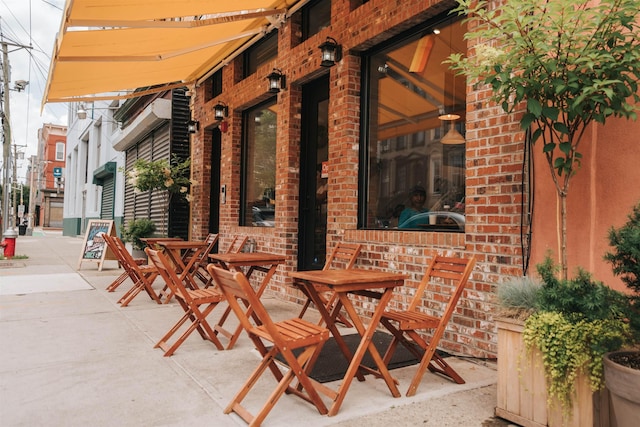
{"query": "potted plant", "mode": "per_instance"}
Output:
(569, 325)
(622, 368)
(134, 231)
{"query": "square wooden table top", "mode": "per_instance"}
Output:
(248, 258)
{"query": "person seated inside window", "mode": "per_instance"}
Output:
(417, 199)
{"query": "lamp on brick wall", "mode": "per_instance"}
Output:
(277, 81)
(220, 111)
(193, 126)
(331, 52)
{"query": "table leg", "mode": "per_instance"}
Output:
(365, 344)
(329, 319)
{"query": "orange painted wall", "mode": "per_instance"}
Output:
(601, 195)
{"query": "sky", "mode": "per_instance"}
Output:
(33, 23)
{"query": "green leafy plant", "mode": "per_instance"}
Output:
(170, 177)
(563, 64)
(575, 323)
(625, 259)
(137, 229)
(161, 174)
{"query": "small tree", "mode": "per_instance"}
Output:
(564, 64)
(169, 177)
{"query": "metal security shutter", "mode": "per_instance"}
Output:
(108, 198)
(154, 146)
(181, 149)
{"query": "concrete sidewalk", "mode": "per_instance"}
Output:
(71, 356)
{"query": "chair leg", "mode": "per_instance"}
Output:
(304, 308)
(427, 360)
(197, 323)
(120, 280)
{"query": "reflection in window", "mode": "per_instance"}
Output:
(409, 89)
(259, 176)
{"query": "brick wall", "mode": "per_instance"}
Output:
(494, 156)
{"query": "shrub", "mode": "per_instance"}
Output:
(138, 229)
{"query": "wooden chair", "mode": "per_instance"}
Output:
(197, 304)
(142, 275)
(344, 255)
(125, 274)
(284, 337)
(237, 244)
(405, 324)
(200, 265)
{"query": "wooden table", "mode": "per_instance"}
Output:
(178, 251)
(260, 261)
(371, 283)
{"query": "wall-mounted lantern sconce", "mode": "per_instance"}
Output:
(220, 111)
(193, 126)
(331, 52)
(82, 113)
(277, 81)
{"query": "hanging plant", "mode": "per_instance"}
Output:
(161, 175)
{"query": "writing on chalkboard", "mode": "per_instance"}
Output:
(95, 247)
(95, 244)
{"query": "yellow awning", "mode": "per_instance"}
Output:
(108, 48)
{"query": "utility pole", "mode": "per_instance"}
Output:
(7, 213)
(6, 140)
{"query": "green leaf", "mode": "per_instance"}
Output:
(551, 113)
(561, 127)
(565, 147)
(536, 135)
(526, 121)
(534, 107)
(549, 147)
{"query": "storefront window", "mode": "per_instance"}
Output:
(259, 166)
(415, 177)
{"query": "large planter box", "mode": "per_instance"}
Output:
(522, 391)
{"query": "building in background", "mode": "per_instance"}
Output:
(47, 176)
(91, 177)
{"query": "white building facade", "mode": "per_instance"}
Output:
(94, 182)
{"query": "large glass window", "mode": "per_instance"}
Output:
(414, 176)
(259, 166)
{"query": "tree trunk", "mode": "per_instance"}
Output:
(563, 234)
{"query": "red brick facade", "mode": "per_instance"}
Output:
(494, 157)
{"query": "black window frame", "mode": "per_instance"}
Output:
(365, 113)
(311, 12)
(260, 53)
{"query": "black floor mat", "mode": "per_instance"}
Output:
(332, 365)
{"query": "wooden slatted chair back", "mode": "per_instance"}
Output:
(237, 244)
(456, 270)
(343, 255)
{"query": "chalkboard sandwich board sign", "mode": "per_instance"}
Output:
(94, 247)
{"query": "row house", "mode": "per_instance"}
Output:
(320, 121)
